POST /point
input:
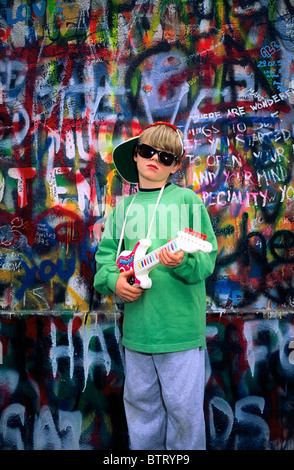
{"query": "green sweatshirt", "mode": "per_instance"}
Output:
(171, 315)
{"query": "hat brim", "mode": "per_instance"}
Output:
(124, 162)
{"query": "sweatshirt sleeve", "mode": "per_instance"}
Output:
(196, 267)
(107, 272)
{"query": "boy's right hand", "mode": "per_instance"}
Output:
(124, 290)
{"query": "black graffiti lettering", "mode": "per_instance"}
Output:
(281, 242)
(254, 249)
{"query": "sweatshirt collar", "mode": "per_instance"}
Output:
(149, 190)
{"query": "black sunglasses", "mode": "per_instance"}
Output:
(165, 158)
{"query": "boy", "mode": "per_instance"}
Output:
(164, 326)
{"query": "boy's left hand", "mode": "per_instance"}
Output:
(169, 259)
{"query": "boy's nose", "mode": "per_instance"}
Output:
(155, 156)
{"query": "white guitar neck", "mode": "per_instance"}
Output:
(151, 260)
(185, 241)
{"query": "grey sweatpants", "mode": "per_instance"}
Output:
(163, 398)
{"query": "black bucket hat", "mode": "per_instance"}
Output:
(124, 152)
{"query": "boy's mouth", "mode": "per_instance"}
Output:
(153, 167)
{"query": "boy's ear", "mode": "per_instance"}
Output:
(135, 155)
(175, 168)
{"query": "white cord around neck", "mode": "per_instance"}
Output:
(123, 229)
(125, 221)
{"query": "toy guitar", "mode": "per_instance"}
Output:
(188, 241)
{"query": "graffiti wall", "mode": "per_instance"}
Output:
(61, 382)
(76, 78)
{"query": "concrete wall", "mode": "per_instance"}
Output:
(75, 79)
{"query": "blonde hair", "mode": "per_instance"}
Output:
(163, 137)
